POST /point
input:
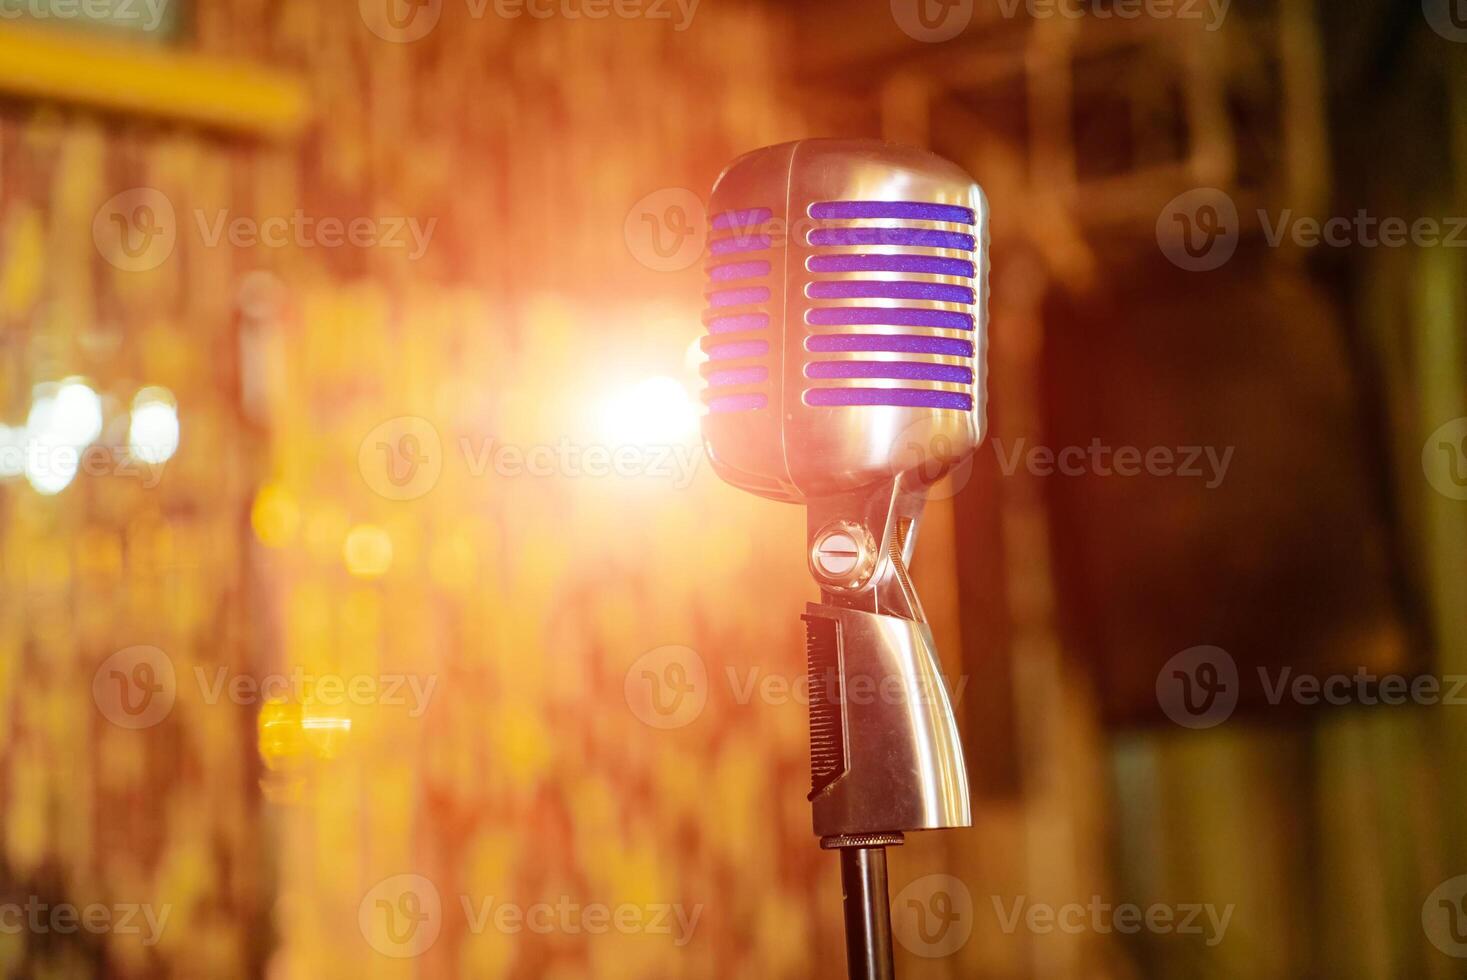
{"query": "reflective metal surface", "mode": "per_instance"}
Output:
(847, 325)
(791, 449)
(903, 759)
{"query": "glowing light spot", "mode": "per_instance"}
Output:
(12, 451)
(368, 551)
(326, 733)
(280, 738)
(50, 465)
(64, 418)
(152, 432)
(326, 724)
(695, 356)
(275, 516)
(655, 412)
(75, 414)
(453, 562)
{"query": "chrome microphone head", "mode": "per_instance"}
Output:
(847, 317)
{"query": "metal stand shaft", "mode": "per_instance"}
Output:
(868, 913)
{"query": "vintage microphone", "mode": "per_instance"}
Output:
(847, 316)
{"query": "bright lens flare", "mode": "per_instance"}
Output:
(367, 551)
(64, 419)
(152, 432)
(12, 451)
(76, 414)
(655, 412)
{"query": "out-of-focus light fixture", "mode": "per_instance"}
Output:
(152, 432)
(694, 357)
(275, 516)
(64, 419)
(367, 551)
(50, 465)
(12, 451)
(657, 411)
(76, 413)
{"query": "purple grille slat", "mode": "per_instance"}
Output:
(914, 237)
(890, 343)
(922, 264)
(744, 348)
(747, 218)
(736, 403)
(897, 397)
(935, 292)
(738, 270)
(738, 297)
(861, 316)
(739, 243)
(738, 376)
(740, 322)
(908, 210)
(896, 370)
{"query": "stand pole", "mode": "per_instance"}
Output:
(868, 913)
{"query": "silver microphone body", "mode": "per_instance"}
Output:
(847, 325)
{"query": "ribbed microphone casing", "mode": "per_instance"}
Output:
(847, 317)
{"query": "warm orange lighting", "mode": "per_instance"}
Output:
(291, 734)
(655, 412)
(368, 551)
(275, 516)
(281, 741)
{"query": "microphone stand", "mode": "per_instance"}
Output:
(879, 766)
(865, 903)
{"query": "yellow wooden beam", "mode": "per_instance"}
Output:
(140, 79)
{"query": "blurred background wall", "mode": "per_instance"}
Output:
(586, 667)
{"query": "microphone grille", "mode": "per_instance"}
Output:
(738, 315)
(892, 315)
